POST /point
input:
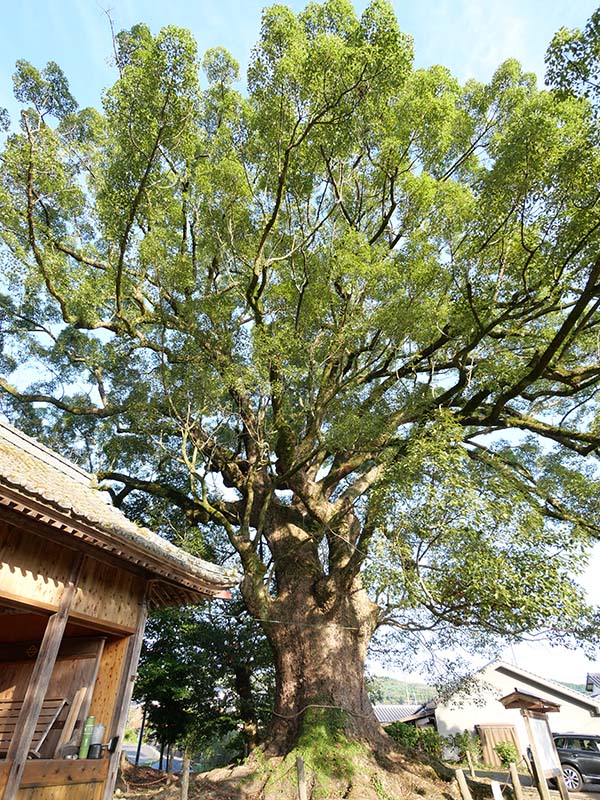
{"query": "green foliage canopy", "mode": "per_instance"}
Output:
(349, 317)
(573, 60)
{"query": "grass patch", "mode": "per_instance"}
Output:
(329, 755)
(324, 745)
(377, 784)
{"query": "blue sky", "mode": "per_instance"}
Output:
(471, 37)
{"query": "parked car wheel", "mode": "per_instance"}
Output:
(572, 778)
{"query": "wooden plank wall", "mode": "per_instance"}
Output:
(14, 678)
(75, 667)
(63, 780)
(20, 576)
(67, 677)
(108, 682)
(72, 670)
(57, 773)
(109, 594)
(59, 780)
(490, 736)
(79, 791)
(32, 573)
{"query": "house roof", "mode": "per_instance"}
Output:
(579, 698)
(399, 712)
(42, 484)
(543, 684)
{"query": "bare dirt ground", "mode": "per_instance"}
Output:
(397, 777)
(403, 779)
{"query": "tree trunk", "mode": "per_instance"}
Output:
(247, 709)
(320, 642)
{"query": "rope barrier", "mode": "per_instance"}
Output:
(316, 705)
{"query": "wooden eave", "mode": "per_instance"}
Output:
(529, 702)
(170, 584)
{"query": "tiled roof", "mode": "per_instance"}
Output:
(400, 712)
(592, 683)
(32, 473)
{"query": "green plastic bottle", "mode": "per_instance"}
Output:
(86, 737)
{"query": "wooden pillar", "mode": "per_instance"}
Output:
(38, 683)
(516, 781)
(462, 785)
(87, 701)
(301, 778)
(124, 696)
(538, 777)
(562, 787)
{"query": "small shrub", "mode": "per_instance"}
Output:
(427, 740)
(404, 734)
(130, 736)
(466, 742)
(507, 753)
(431, 741)
(219, 751)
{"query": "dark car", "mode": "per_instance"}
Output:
(579, 756)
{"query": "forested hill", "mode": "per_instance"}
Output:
(391, 690)
(576, 687)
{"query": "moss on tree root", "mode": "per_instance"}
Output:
(336, 768)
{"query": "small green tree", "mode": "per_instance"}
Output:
(209, 672)
(403, 733)
(426, 740)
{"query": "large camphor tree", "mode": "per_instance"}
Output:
(347, 320)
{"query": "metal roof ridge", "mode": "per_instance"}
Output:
(549, 682)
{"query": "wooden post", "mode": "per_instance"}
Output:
(516, 781)
(87, 700)
(462, 785)
(70, 721)
(39, 681)
(301, 778)
(124, 697)
(562, 787)
(496, 790)
(470, 763)
(185, 775)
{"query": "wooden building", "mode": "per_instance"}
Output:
(76, 581)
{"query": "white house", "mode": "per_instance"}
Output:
(476, 708)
